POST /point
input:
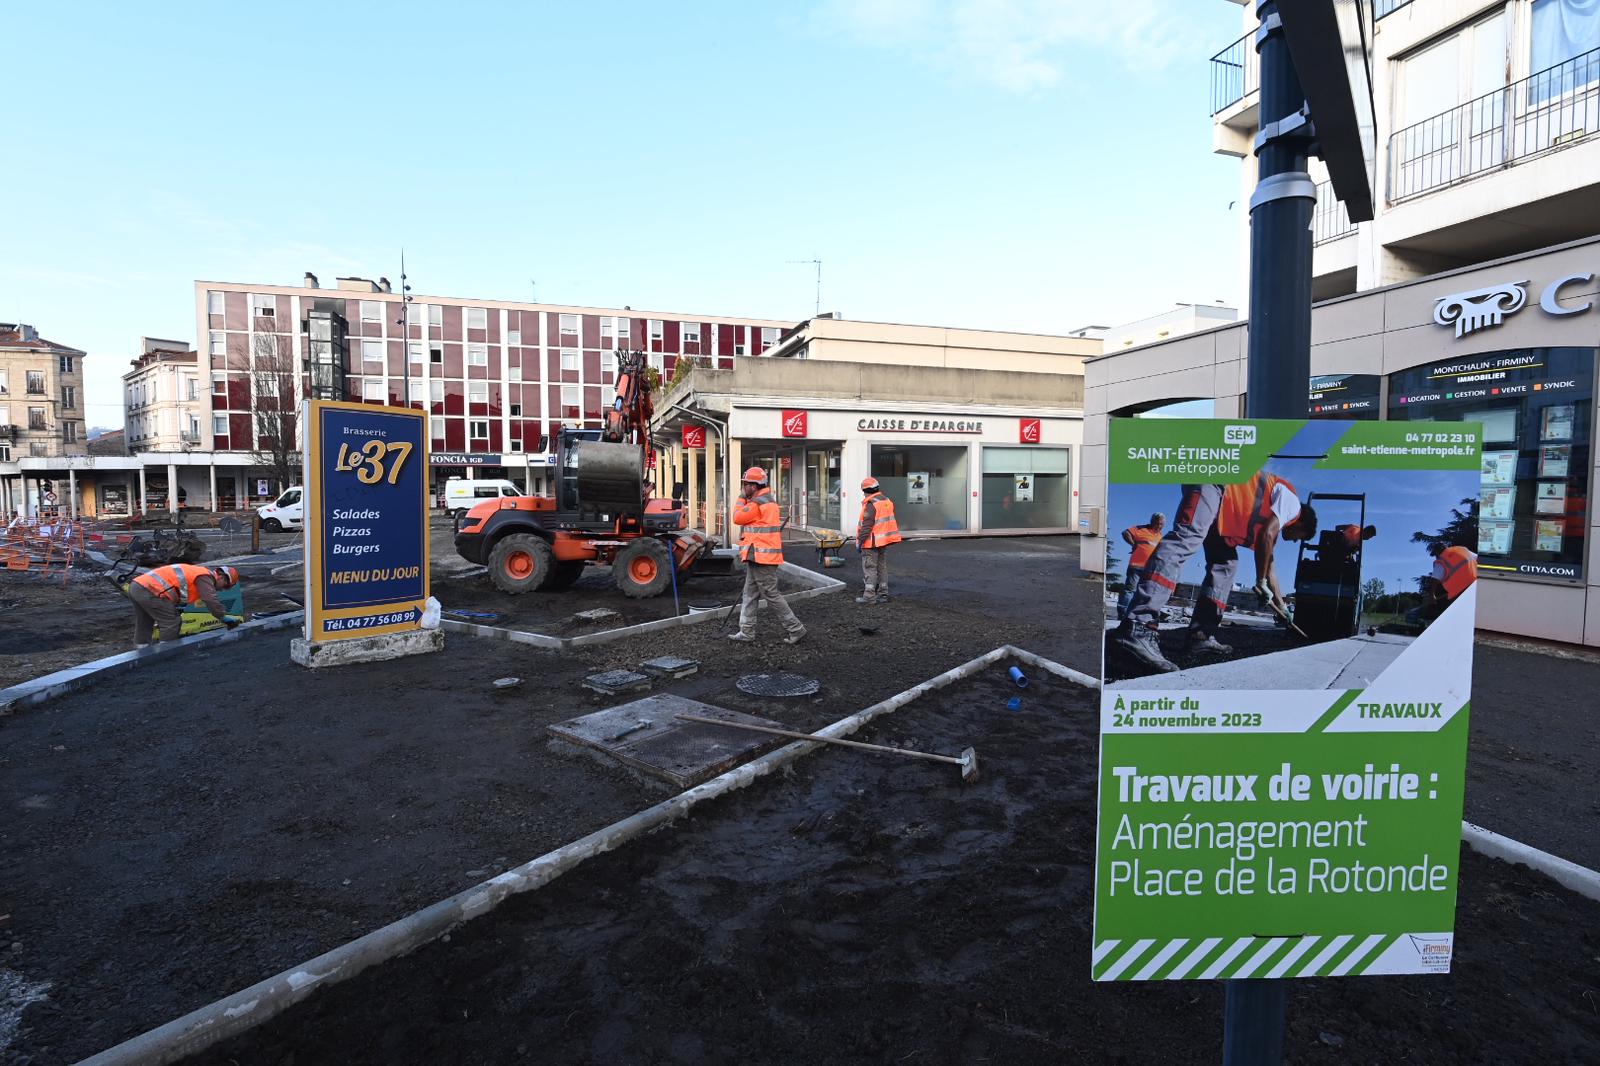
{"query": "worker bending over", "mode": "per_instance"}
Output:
(761, 548)
(160, 595)
(1221, 519)
(874, 533)
(1143, 540)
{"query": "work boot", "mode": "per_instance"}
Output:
(1140, 641)
(883, 597)
(795, 638)
(868, 598)
(740, 638)
(1205, 642)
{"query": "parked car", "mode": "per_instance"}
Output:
(288, 511)
(461, 495)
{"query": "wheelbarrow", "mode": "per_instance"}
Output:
(829, 545)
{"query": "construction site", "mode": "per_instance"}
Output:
(213, 855)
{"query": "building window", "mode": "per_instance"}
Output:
(219, 425)
(477, 318)
(436, 391)
(1563, 30)
(219, 386)
(516, 410)
(436, 355)
(69, 397)
(738, 349)
(219, 343)
(5, 382)
(606, 325)
(414, 353)
(477, 392)
(436, 427)
(655, 329)
(569, 326)
(5, 453)
(658, 362)
(372, 389)
(571, 402)
(372, 352)
(416, 314)
(36, 419)
(516, 446)
(36, 383)
(769, 337)
(38, 449)
(66, 364)
(371, 311)
(513, 336)
(608, 363)
(436, 316)
(69, 432)
(1026, 488)
(191, 387)
(263, 306)
(622, 331)
(478, 428)
(571, 360)
(928, 484)
(214, 304)
(691, 332)
(477, 355)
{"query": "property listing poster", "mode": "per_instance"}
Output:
(1285, 698)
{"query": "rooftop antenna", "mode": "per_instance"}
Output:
(534, 287)
(405, 315)
(818, 264)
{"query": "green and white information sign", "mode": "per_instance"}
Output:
(1283, 721)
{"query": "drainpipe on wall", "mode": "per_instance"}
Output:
(727, 472)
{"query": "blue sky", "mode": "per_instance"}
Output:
(1398, 504)
(1011, 164)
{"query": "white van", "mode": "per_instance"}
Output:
(461, 495)
(288, 511)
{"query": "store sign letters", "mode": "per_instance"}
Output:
(919, 425)
(1479, 309)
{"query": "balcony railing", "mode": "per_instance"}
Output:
(1381, 8)
(1329, 219)
(1235, 73)
(1546, 111)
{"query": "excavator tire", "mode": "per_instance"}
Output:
(564, 576)
(642, 569)
(521, 563)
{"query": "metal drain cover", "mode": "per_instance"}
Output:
(778, 685)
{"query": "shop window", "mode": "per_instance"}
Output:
(928, 484)
(1027, 488)
(1536, 406)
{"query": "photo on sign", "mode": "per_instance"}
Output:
(917, 486)
(1289, 622)
(1023, 493)
(1554, 459)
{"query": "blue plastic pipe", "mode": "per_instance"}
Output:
(1016, 675)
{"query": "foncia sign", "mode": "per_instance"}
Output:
(1479, 309)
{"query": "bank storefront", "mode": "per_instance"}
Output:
(948, 473)
(1512, 345)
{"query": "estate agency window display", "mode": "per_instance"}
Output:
(1536, 407)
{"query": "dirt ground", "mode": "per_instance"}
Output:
(168, 841)
(868, 910)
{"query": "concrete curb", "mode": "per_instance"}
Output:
(250, 1007)
(1581, 879)
(817, 585)
(51, 686)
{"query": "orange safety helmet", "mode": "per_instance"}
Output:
(754, 476)
(225, 576)
(869, 484)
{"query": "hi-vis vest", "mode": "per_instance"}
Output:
(1459, 569)
(1247, 509)
(885, 530)
(1144, 540)
(175, 582)
(762, 538)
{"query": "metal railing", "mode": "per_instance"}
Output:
(1381, 8)
(1329, 219)
(1235, 73)
(1541, 113)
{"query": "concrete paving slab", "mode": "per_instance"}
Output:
(616, 682)
(1354, 662)
(670, 666)
(647, 736)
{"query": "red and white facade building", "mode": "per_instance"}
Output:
(495, 376)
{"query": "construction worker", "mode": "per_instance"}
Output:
(874, 533)
(1454, 570)
(761, 548)
(1221, 519)
(159, 597)
(1143, 540)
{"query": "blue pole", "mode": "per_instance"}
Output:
(672, 559)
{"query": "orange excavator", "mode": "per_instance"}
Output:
(599, 515)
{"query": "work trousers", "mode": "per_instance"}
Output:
(150, 611)
(1194, 529)
(761, 586)
(1129, 583)
(875, 570)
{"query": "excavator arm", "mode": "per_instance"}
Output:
(628, 421)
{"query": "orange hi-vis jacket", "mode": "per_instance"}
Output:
(178, 582)
(762, 538)
(1247, 509)
(1460, 567)
(1144, 541)
(878, 528)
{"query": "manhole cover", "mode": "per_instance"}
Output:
(778, 685)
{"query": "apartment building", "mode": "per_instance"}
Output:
(161, 398)
(495, 375)
(1470, 296)
(41, 396)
